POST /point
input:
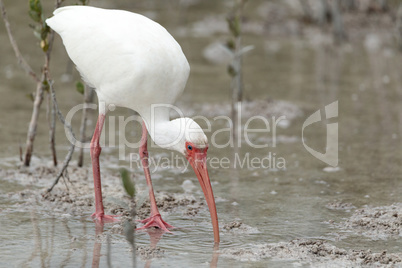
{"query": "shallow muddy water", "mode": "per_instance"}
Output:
(295, 210)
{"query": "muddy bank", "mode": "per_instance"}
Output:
(315, 252)
(383, 222)
(238, 228)
(338, 205)
(374, 222)
(148, 253)
(74, 194)
(377, 222)
(73, 197)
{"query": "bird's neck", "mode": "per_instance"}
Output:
(164, 132)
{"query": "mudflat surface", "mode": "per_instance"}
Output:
(73, 197)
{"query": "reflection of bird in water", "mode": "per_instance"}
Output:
(155, 236)
(134, 62)
(151, 252)
(97, 246)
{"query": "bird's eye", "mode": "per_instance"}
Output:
(189, 147)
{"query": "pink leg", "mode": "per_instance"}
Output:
(155, 220)
(99, 214)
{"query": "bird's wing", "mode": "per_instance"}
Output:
(121, 49)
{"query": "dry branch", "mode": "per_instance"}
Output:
(68, 126)
(33, 124)
(21, 61)
(88, 98)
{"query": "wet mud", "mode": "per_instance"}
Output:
(383, 222)
(74, 194)
(316, 252)
(337, 205)
(73, 197)
(148, 253)
(237, 227)
(377, 222)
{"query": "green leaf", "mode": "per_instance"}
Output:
(35, 16)
(35, 5)
(231, 70)
(30, 96)
(129, 232)
(230, 44)
(45, 86)
(234, 25)
(43, 33)
(127, 183)
(35, 10)
(80, 87)
(44, 28)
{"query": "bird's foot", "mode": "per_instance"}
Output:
(155, 221)
(101, 217)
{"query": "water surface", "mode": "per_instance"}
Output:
(281, 204)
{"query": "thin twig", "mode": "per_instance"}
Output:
(235, 27)
(33, 124)
(68, 126)
(51, 118)
(108, 251)
(399, 25)
(21, 158)
(88, 98)
(39, 87)
(65, 183)
(339, 32)
(325, 14)
(51, 35)
(51, 106)
(56, 107)
(21, 61)
(308, 12)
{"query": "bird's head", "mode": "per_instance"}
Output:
(193, 144)
(187, 135)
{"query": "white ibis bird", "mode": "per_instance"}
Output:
(133, 62)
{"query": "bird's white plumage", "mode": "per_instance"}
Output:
(174, 134)
(132, 62)
(117, 50)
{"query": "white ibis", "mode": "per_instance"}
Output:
(134, 62)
